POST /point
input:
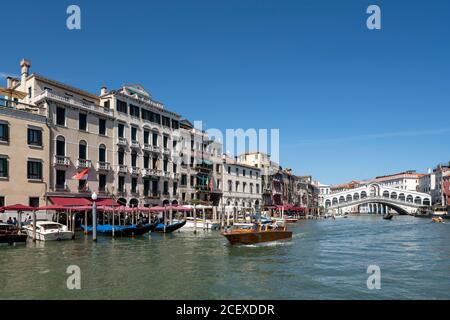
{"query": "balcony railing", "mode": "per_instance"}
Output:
(135, 170)
(82, 163)
(83, 104)
(61, 161)
(167, 174)
(123, 168)
(135, 144)
(166, 151)
(148, 147)
(122, 141)
(103, 166)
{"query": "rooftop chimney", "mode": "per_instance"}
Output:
(24, 69)
(103, 91)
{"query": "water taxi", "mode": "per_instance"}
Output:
(257, 233)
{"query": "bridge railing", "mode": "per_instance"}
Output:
(374, 199)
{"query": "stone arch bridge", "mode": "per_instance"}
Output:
(402, 201)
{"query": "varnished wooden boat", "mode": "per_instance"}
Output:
(256, 235)
(290, 220)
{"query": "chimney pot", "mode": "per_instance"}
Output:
(25, 67)
(103, 90)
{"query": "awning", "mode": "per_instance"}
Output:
(69, 202)
(107, 202)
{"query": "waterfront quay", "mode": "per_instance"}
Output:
(326, 259)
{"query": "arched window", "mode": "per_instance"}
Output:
(386, 194)
(335, 201)
(327, 203)
(426, 202)
(394, 195)
(401, 197)
(60, 146)
(341, 199)
(363, 194)
(409, 198)
(82, 150)
(356, 196)
(349, 198)
(418, 200)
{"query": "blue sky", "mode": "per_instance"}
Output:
(350, 103)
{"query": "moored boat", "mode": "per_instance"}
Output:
(206, 225)
(10, 234)
(257, 234)
(167, 228)
(120, 231)
(49, 231)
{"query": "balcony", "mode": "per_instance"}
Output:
(61, 161)
(135, 144)
(82, 104)
(61, 187)
(166, 151)
(166, 174)
(121, 141)
(135, 170)
(83, 164)
(154, 195)
(148, 147)
(123, 168)
(155, 172)
(103, 166)
(156, 149)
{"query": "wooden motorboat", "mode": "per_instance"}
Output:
(257, 234)
(290, 220)
(10, 234)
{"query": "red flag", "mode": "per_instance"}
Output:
(83, 175)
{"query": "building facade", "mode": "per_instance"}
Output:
(24, 154)
(242, 186)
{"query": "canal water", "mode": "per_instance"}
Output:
(326, 259)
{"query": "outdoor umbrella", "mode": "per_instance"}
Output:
(11, 93)
(19, 207)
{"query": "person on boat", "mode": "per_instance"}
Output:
(9, 221)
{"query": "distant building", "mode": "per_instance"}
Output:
(407, 180)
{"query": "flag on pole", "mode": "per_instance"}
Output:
(83, 175)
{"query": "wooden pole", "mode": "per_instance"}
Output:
(205, 226)
(85, 222)
(113, 220)
(34, 226)
(195, 219)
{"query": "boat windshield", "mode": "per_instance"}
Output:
(50, 226)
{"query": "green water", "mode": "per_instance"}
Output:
(326, 259)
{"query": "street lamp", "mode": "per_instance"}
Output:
(94, 216)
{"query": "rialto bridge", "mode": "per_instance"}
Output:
(378, 198)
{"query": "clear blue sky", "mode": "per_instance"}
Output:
(350, 103)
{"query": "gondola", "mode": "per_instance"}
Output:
(120, 231)
(162, 228)
(388, 216)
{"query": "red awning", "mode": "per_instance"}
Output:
(19, 207)
(53, 207)
(69, 202)
(107, 202)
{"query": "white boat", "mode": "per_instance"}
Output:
(201, 225)
(48, 231)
